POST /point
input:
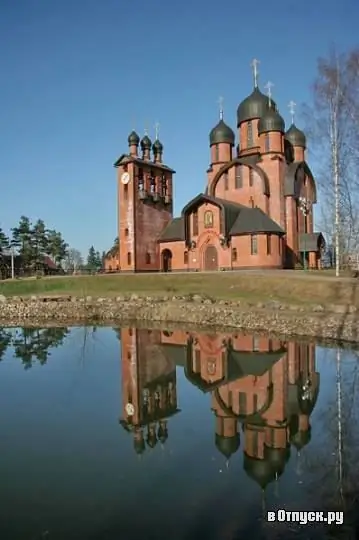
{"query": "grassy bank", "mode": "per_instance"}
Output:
(289, 287)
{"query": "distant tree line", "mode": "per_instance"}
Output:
(36, 248)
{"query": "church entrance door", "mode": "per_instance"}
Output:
(210, 259)
(166, 260)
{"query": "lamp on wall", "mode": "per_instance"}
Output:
(223, 240)
(305, 207)
(193, 244)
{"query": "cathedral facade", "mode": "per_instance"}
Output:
(256, 210)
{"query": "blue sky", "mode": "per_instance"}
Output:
(78, 75)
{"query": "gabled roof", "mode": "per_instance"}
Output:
(311, 241)
(254, 221)
(126, 158)
(237, 219)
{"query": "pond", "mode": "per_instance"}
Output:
(155, 434)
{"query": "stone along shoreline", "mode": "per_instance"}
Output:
(334, 322)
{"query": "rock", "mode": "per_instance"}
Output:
(88, 298)
(33, 298)
(2, 299)
(119, 298)
(134, 297)
(274, 304)
(197, 298)
(318, 309)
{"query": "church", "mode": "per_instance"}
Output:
(255, 212)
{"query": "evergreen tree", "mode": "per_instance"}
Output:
(4, 241)
(56, 246)
(39, 242)
(21, 240)
(91, 259)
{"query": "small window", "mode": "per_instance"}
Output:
(163, 186)
(249, 135)
(255, 343)
(195, 223)
(185, 257)
(254, 244)
(234, 255)
(251, 177)
(242, 397)
(125, 191)
(152, 182)
(148, 258)
(255, 448)
(126, 232)
(266, 142)
(279, 245)
(251, 202)
(216, 152)
(238, 181)
(225, 181)
(129, 258)
(141, 181)
(208, 219)
(269, 244)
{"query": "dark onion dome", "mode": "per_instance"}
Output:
(277, 457)
(157, 147)
(227, 445)
(254, 106)
(271, 121)
(146, 143)
(301, 439)
(162, 434)
(151, 439)
(259, 470)
(133, 138)
(221, 133)
(139, 445)
(296, 137)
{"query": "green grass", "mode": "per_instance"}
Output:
(289, 287)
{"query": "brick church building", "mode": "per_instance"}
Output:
(255, 212)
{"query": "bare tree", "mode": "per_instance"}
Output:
(333, 131)
(73, 261)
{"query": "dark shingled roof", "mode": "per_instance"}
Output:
(174, 231)
(254, 220)
(237, 218)
(126, 158)
(311, 241)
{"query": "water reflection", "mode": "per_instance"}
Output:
(264, 387)
(210, 426)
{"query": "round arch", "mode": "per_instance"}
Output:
(239, 161)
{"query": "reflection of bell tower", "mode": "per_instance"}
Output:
(148, 388)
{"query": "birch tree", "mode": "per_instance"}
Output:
(333, 133)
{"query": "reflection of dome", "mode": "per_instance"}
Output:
(254, 106)
(227, 445)
(277, 457)
(151, 438)
(221, 133)
(162, 433)
(259, 470)
(293, 425)
(139, 445)
(301, 438)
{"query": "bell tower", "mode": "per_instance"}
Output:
(145, 204)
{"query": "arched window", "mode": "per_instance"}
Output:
(125, 192)
(185, 257)
(225, 177)
(216, 152)
(238, 181)
(269, 244)
(208, 219)
(249, 135)
(126, 232)
(129, 258)
(148, 258)
(234, 254)
(266, 142)
(195, 223)
(254, 244)
(251, 177)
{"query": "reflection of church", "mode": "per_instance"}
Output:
(266, 387)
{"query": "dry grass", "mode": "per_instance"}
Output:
(290, 287)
